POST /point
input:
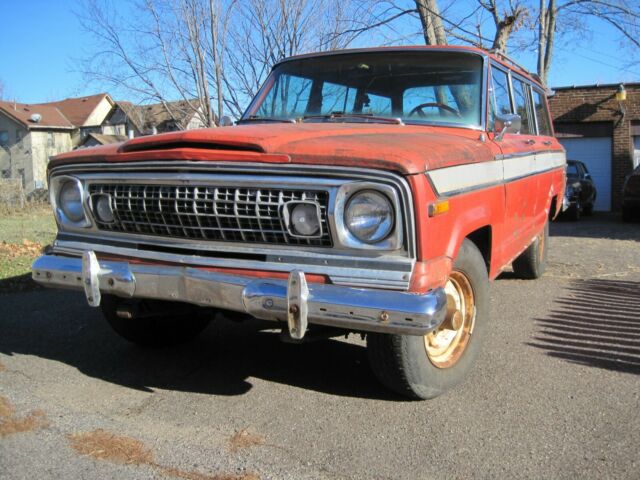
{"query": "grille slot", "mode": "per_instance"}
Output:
(204, 212)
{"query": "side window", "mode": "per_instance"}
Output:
(521, 98)
(542, 114)
(500, 102)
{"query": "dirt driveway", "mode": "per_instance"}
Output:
(555, 394)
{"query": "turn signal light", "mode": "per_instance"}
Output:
(438, 208)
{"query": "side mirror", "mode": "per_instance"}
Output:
(507, 123)
(587, 176)
(226, 121)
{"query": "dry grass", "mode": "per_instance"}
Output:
(10, 423)
(243, 439)
(103, 445)
(108, 446)
(2, 367)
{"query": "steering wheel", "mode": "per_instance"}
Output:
(419, 109)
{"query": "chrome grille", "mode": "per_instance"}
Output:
(227, 214)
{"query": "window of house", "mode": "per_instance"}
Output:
(4, 137)
(542, 114)
(500, 103)
(522, 101)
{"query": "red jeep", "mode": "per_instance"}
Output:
(375, 191)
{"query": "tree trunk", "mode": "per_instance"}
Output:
(432, 27)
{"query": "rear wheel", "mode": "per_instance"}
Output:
(425, 367)
(627, 214)
(588, 209)
(532, 263)
(153, 323)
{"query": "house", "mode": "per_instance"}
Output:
(600, 125)
(136, 120)
(97, 139)
(29, 135)
(87, 114)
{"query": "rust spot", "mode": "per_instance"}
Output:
(108, 446)
(10, 423)
(103, 445)
(243, 439)
(2, 367)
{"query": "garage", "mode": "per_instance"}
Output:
(595, 153)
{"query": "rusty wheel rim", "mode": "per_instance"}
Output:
(446, 344)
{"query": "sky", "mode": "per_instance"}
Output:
(43, 42)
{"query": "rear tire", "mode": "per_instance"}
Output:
(424, 367)
(627, 214)
(532, 263)
(573, 213)
(177, 324)
(588, 209)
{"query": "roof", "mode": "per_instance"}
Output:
(51, 117)
(598, 85)
(78, 110)
(104, 139)
(145, 117)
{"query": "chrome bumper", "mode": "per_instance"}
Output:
(292, 301)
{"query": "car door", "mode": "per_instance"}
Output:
(522, 185)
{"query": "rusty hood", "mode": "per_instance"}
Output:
(407, 149)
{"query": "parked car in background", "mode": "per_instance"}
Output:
(374, 191)
(631, 196)
(580, 193)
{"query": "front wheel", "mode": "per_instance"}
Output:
(425, 367)
(532, 263)
(154, 323)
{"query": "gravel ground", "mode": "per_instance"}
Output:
(554, 395)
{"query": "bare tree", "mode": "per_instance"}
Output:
(622, 15)
(172, 49)
(1, 90)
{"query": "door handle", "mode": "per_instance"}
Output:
(531, 141)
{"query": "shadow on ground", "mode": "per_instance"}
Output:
(59, 326)
(599, 225)
(597, 323)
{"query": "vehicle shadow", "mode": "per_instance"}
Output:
(59, 326)
(597, 323)
(599, 225)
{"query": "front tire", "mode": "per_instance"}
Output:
(425, 367)
(532, 263)
(156, 324)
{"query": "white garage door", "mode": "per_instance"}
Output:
(595, 153)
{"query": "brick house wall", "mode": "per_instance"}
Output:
(594, 111)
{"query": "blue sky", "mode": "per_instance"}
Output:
(43, 39)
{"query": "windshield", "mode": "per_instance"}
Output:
(415, 86)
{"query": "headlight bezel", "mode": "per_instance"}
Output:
(392, 241)
(57, 186)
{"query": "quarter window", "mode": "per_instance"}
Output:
(542, 114)
(521, 98)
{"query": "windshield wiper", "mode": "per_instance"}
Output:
(257, 118)
(365, 117)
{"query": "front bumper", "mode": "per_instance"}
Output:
(293, 301)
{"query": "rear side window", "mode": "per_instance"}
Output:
(522, 99)
(542, 114)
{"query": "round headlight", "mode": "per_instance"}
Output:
(103, 209)
(70, 201)
(369, 216)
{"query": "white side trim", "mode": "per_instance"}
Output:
(461, 178)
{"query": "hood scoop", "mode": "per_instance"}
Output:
(184, 140)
